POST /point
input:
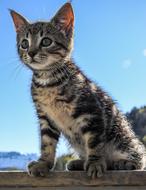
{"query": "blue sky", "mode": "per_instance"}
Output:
(110, 47)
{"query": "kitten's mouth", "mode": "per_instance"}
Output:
(33, 61)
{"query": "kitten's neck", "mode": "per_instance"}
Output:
(57, 74)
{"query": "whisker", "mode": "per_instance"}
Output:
(18, 71)
(14, 73)
(9, 63)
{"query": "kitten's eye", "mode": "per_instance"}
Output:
(24, 44)
(46, 42)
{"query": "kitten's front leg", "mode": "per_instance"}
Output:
(49, 139)
(95, 163)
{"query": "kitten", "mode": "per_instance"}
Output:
(68, 102)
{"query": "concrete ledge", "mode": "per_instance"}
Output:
(74, 180)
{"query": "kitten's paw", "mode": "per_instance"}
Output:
(39, 168)
(76, 165)
(95, 169)
(124, 165)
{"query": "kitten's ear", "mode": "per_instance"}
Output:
(18, 20)
(64, 19)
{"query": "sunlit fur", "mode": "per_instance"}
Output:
(68, 102)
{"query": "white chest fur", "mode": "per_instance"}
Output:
(61, 113)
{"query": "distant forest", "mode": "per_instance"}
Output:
(137, 117)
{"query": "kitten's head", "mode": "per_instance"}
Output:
(42, 44)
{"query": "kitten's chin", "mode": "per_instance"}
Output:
(36, 66)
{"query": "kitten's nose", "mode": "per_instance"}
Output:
(32, 53)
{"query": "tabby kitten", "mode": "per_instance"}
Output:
(68, 102)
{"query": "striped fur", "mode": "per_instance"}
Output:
(68, 102)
